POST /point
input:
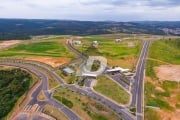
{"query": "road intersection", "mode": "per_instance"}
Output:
(136, 92)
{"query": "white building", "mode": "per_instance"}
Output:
(77, 43)
(95, 43)
(68, 71)
(118, 40)
(118, 69)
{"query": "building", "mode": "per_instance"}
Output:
(95, 43)
(118, 40)
(68, 71)
(117, 69)
(89, 75)
(77, 43)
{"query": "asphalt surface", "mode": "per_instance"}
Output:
(137, 89)
(89, 92)
(71, 115)
(116, 78)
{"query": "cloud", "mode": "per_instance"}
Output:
(152, 3)
(117, 10)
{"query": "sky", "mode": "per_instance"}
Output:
(92, 10)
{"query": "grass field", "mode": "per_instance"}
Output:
(150, 113)
(50, 47)
(85, 107)
(166, 50)
(54, 112)
(112, 90)
(117, 54)
(162, 94)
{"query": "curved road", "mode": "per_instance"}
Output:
(71, 115)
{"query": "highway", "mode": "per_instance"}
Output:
(136, 91)
(104, 100)
(119, 109)
(43, 86)
(138, 84)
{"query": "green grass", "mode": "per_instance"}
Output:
(100, 39)
(112, 51)
(169, 85)
(166, 50)
(178, 106)
(150, 68)
(40, 48)
(98, 117)
(65, 101)
(158, 100)
(112, 90)
(151, 114)
(87, 108)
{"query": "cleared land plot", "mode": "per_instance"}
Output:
(6, 44)
(51, 51)
(112, 90)
(117, 53)
(161, 88)
(85, 107)
(168, 72)
(166, 50)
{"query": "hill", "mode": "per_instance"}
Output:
(24, 28)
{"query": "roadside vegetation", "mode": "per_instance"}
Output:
(112, 90)
(84, 106)
(161, 95)
(13, 84)
(54, 112)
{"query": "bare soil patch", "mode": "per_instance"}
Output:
(54, 62)
(168, 72)
(169, 115)
(9, 43)
(159, 89)
(2, 67)
(131, 44)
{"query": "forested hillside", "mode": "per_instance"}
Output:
(13, 84)
(24, 28)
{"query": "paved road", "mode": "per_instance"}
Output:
(137, 89)
(116, 78)
(114, 106)
(71, 115)
(89, 92)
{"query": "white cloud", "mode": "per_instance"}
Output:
(118, 10)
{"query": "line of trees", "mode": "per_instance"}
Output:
(13, 84)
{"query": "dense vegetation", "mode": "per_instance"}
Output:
(13, 84)
(23, 29)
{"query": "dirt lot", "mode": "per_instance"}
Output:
(168, 72)
(54, 62)
(5, 67)
(6, 44)
(169, 115)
